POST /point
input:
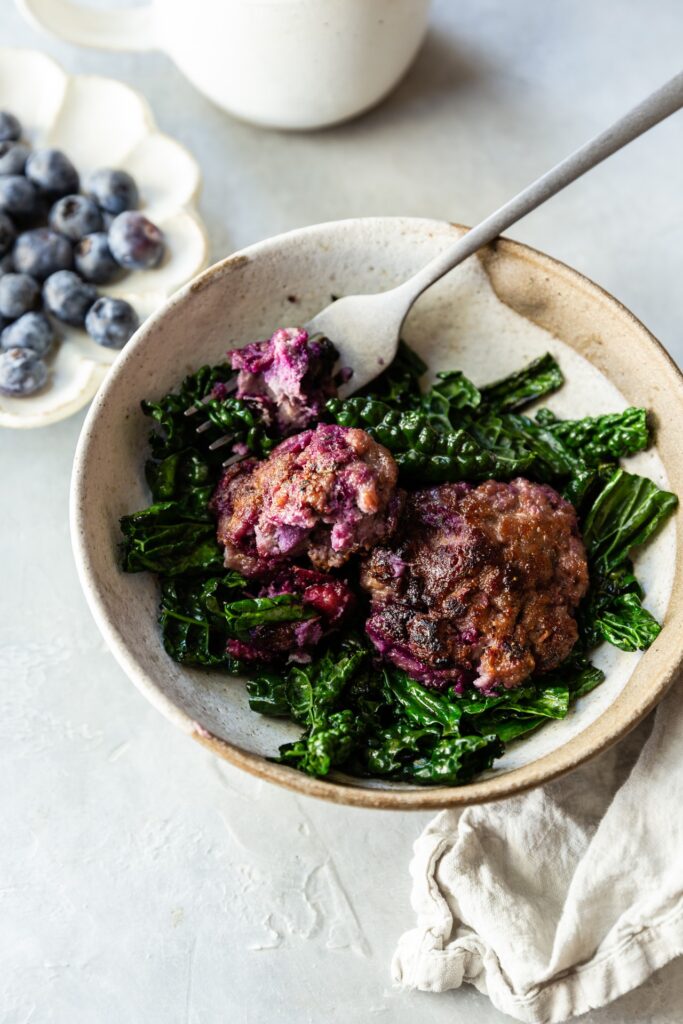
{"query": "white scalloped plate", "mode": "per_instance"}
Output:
(100, 122)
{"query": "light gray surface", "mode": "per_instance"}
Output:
(138, 873)
(366, 327)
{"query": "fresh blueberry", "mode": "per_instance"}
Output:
(18, 196)
(41, 252)
(19, 294)
(93, 259)
(7, 234)
(10, 127)
(13, 157)
(7, 264)
(21, 372)
(75, 216)
(113, 191)
(111, 322)
(135, 242)
(32, 330)
(68, 297)
(51, 171)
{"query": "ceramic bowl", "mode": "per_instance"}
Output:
(488, 317)
(100, 122)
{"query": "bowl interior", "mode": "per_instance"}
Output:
(488, 317)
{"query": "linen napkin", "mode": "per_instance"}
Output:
(558, 901)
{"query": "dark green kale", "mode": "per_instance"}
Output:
(597, 439)
(368, 721)
(625, 514)
(249, 612)
(399, 384)
(192, 617)
(356, 717)
(540, 377)
(174, 430)
(425, 454)
(169, 539)
(176, 535)
(365, 721)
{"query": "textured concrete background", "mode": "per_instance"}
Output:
(140, 878)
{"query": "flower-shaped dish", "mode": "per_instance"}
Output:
(100, 122)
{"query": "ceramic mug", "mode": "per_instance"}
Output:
(281, 63)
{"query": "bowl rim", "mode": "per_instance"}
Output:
(581, 748)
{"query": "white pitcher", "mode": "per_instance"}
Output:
(281, 63)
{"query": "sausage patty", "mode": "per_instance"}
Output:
(325, 494)
(479, 584)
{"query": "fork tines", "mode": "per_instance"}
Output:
(229, 387)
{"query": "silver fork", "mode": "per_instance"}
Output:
(365, 328)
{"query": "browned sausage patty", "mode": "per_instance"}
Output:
(325, 494)
(479, 584)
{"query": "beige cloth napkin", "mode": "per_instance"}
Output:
(558, 901)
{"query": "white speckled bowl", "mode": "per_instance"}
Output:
(100, 122)
(488, 317)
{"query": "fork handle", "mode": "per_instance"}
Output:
(658, 106)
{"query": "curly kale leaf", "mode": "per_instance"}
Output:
(170, 539)
(624, 622)
(249, 612)
(513, 392)
(625, 514)
(179, 453)
(424, 454)
(454, 760)
(596, 439)
(327, 744)
(175, 430)
(192, 620)
(399, 384)
(449, 395)
(243, 422)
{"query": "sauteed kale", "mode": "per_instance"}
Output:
(362, 714)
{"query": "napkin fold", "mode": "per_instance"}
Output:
(556, 902)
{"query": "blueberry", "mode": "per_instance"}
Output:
(111, 322)
(19, 294)
(7, 234)
(75, 216)
(7, 264)
(10, 127)
(22, 372)
(93, 259)
(13, 157)
(32, 330)
(68, 297)
(113, 191)
(52, 172)
(41, 252)
(135, 242)
(18, 196)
